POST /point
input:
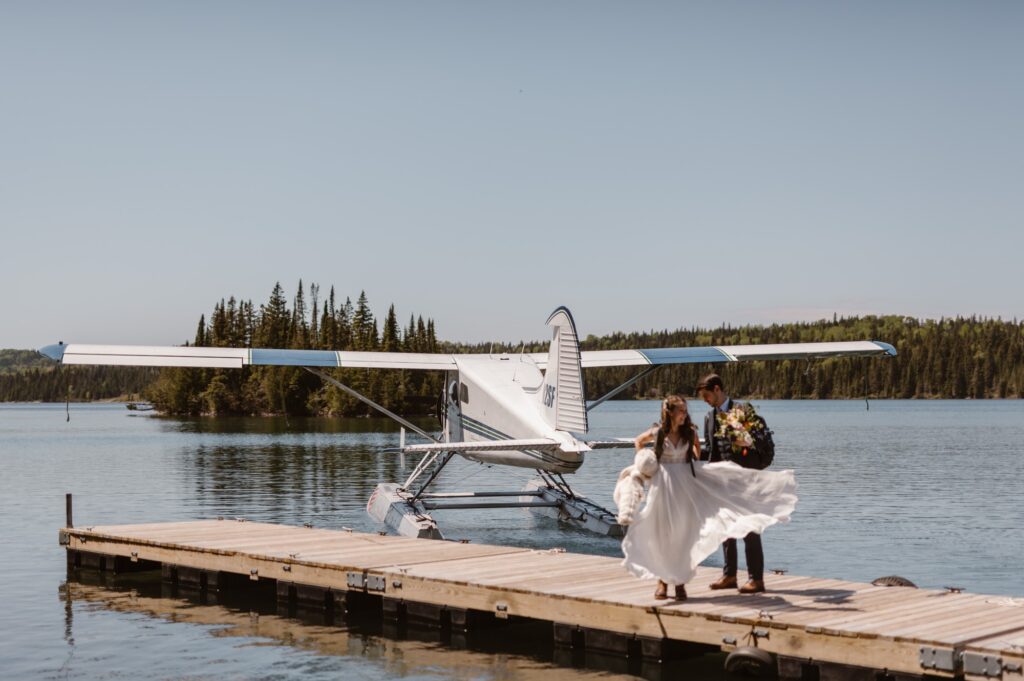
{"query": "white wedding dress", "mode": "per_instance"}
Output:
(687, 517)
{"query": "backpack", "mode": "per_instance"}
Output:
(764, 445)
(762, 452)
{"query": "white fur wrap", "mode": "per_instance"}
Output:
(629, 490)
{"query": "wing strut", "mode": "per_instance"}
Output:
(437, 469)
(612, 393)
(366, 400)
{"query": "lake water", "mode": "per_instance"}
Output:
(929, 490)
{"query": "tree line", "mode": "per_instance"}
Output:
(27, 376)
(76, 384)
(946, 358)
(309, 324)
(963, 357)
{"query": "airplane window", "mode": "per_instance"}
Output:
(464, 393)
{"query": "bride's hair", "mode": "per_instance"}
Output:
(686, 429)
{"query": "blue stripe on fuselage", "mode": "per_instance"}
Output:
(489, 433)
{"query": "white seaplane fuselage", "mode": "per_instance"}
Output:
(500, 398)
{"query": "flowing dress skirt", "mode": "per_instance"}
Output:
(687, 518)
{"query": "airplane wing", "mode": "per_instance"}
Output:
(236, 358)
(537, 444)
(726, 353)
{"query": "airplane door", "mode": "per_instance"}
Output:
(453, 409)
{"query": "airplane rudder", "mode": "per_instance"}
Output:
(562, 393)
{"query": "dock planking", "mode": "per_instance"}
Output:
(819, 621)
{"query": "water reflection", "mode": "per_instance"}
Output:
(279, 425)
(517, 650)
(280, 480)
(294, 470)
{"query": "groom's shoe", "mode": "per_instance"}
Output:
(726, 582)
(754, 586)
(680, 592)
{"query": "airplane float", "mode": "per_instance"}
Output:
(527, 410)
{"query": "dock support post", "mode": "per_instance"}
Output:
(304, 596)
(462, 620)
(605, 641)
(665, 649)
(567, 635)
(393, 610)
(67, 510)
(93, 561)
(425, 615)
(795, 669)
(191, 578)
(805, 669)
(352, 603)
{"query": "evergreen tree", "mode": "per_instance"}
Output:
(272, 328)
(201, 332)
(314, 329)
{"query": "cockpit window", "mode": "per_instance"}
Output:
(464, 393)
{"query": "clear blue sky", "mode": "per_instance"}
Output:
(650, 165)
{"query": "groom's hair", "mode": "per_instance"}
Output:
(709, 382)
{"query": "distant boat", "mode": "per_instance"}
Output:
(139, 406)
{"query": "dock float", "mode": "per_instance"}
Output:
(808, 628)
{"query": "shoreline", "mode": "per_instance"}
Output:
(121, 400)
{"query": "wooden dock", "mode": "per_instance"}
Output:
(813, 628)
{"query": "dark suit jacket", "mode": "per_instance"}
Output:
(712, 450)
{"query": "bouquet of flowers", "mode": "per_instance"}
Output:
(739, 426)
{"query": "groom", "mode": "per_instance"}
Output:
(711, 390)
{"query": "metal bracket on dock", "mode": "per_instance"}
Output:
(361, 580)
(63, 538)
(952, 660)
(983, 665)
(943, 659)
(355, 580)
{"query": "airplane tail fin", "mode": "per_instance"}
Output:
(562, 393)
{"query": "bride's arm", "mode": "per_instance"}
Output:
(645, 438)
(696, 443)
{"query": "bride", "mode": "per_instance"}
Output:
(693, 506)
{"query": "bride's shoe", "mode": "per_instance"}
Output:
(680, 592)
(661, 593)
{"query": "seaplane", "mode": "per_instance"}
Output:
(526, 410)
